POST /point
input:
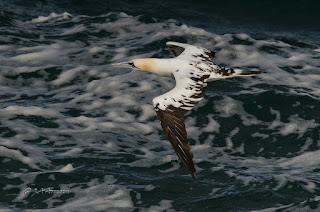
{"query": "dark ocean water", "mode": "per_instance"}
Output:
(79, 135)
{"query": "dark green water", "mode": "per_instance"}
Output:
(79, 135)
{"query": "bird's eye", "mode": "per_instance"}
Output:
(132, 64)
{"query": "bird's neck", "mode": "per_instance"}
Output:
(161, 67)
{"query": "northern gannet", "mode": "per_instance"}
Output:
(192, 68)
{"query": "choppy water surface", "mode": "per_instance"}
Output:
(77, 134)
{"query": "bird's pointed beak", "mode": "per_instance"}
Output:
(129, 64)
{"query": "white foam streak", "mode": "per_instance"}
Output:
(74, 30)
(35, 57)
(147, 163)
(17, 155)
(29, 111)
(164, 205)
(229, 107)
(69, 75)
(105, 196)
(68, 168)
(52, 17)
(295, 125)
(306, 159)
(212, 126)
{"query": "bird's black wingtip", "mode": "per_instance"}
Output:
(192, 174)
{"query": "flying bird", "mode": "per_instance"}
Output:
(192, 68)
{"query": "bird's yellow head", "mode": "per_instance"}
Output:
(145, 64)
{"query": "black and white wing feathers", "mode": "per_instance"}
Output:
(172, 106)
(189, 90)
(182, 49)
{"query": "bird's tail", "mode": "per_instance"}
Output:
(222, 72)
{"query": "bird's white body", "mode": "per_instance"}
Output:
(192, 68)
(185, 87)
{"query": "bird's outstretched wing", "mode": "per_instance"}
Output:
(173, 125)
(182, 49)
(201, 58)
(172, 106)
